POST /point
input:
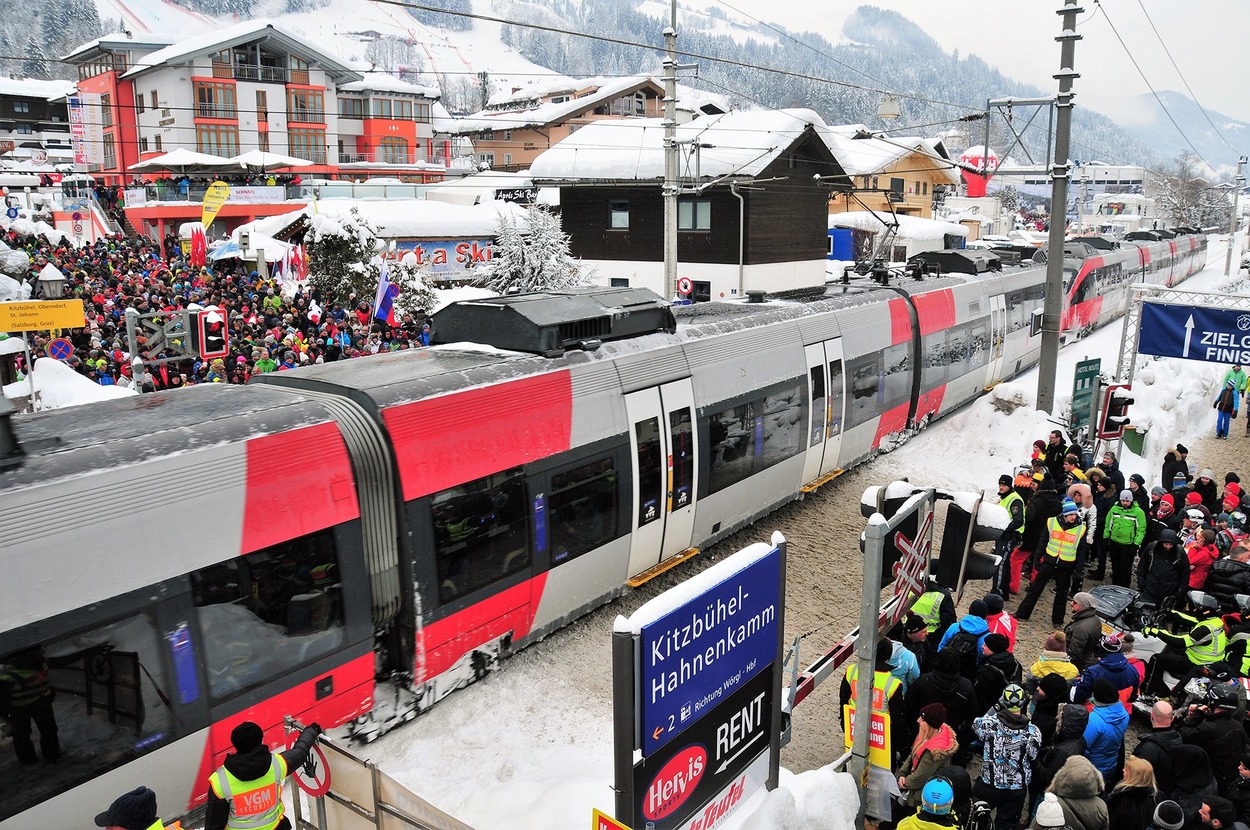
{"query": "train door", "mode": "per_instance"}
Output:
(998, 335)
(662, 440)
(825, 381)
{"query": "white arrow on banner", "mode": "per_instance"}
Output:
(1189, 333)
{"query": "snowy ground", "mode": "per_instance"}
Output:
(530, 747)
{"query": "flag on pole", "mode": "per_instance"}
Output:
(384, 300)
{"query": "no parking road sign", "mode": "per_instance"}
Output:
(11, 213)
(61, 349)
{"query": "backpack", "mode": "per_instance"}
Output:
(968, 647)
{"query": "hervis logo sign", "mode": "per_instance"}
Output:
(675, 782)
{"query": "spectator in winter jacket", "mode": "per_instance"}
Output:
(944, 684)
(1217, 813)
(913, 635)
(1058, 552)
(1175, 463)
(1137, 486)
(1125, 531)
(1082, 494)
(1157, 745)
(998, 670)
(1084, 632)
(1056, 451)
(1078, 786)
(999, 621)
(1113, 667)
(1131, 804)
(1206, 487)
(1104, 499)
(1069, 741)
(903, 665)
(1111, 466)
(1212, 727)
(1163, 569)
(1009, 745)
(1225, 407)
(1229, 577)
(1239, 792)
(1045, 504)
(1202, 555)
(967, 637)
(932, 750)
(1054, 659)
(1051, 692)
(1108, 721)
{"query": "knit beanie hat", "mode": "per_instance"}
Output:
(914, 624)
(1105, 691)
(1158, 491)
(1182, 449)
(1169, 816)
(1069, 507)
(993, 604)
(934, 714)
(1053, 686)
(1005, 480)
(1193, 497)
(246, 736)
(978, 608)
(1085, 599)
(1141, 481)
(1056, 642)
(1126, 495)
(1049, 812)
(997, 643)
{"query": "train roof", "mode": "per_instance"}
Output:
(132, 430)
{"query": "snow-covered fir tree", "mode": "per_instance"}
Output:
(532, 254)
(344, 265)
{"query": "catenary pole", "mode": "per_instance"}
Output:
(670, 154)
(1232, 221)
(1060, 170)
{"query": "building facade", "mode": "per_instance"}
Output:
(34, 121)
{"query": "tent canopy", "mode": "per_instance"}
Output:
(183, 161)
(261, 160)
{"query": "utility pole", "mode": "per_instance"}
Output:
(1232, 222)
(670, 155)
(1048, 362)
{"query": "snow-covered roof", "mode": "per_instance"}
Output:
(863, 153)
(909, 227)
(537, 116)
(478, 188)
(215, 41)
(738, 143)
(34, 88)
(403, 218)
(150, 40)
(382, 82)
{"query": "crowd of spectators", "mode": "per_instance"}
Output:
(271, 327)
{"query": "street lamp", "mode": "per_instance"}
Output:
(51, 282)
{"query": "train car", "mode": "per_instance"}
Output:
(1096, 282)
(188, 559)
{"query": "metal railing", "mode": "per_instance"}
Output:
(216, 111)
(307, 117)
(271, 74)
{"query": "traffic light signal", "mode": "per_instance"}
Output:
(1115, 404)
(209, 334)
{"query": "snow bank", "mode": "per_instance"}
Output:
(59, 386)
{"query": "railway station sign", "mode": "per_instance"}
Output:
(1213, 335)
(1084, 387)
(36, 315)
(696, 693)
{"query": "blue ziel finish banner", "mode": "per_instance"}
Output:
(700, 652)
(1214, 335)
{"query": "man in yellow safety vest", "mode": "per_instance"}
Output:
(245, 793)
(1057, 551)
(887, 698)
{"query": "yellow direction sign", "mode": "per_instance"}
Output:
(39, 316)
(603, 821)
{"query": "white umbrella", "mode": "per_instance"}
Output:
(261, 160)
(183, 161)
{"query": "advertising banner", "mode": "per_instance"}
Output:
(214, 198)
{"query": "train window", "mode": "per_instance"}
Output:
(835, 398)
(731, 435)
(583, 509)
(978, 343)
(933, 373)
(480, 533)
(104, 695)
(266, 613)
(819, 404)
(957, 347)
(782, 427)
(681, 449)
(650, 470)
(865, 375)
(897, 375)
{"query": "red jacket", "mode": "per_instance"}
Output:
(1201, 557)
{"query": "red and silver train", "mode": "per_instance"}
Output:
(325, 540)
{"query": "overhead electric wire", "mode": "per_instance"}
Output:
(1168, 52)
(1145, 80)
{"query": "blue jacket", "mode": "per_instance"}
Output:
(971, 624)
(1104, 735)
(1116, 668)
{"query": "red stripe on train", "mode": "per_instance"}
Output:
(298, 482)
(352, 697)
(892, 420)
(936, 310)
(900, 322)
(510, 611)
(448, 440)
(930, 402)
